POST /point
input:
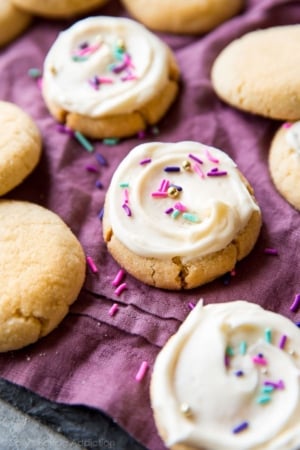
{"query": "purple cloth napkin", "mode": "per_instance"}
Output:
(92, 358)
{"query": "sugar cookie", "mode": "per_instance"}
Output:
(229, 380)
(179, 215)
(258, 72)
(58, 8)
(13, 21)
(183, 16)
(20, 143)
(284, 162)
(109, 77)
(42, 269)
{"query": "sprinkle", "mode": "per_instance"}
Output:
(267, 389)
(113, 310)
(155, 130)
(190, 217)
(268, 335)
(233, 272)
(180, 207)
(175, 214)
(91, 264)
(210, 157)
(239, 373)
(164, 185)
(241, 427)
(91, 168)
(124, 185)
(216, 173)
(191, 305)
(98, 184)
(195, 158)
(229, 351)
(142, 371)
(64, 129)
(119, 277)
(39, 82)
(120, 289)
(226, 360)
(282, 341)
(126, 196)
(78, 58)
(278, 385)
(297, 324)
(287, 125)
(100, 214)
(129, 77)
(169, 210)
(296, 303)
(110, 141)
(259, 360)
(141, 134)
(101, 160)
(83, 141)
(271, 251)
(243, 347)
(262, 399)
(198, 170)
(87, 50)
(34, 72)
(145, 161)
(159, 194)
(172, 169)
(127, 209)
(179, 188)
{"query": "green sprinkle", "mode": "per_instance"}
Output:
(34, 72)
(83, 141)
(268, 335)
(267, 389)
(190, 217)
(110, 141)
(243, 347)
(229, 351)
(124, 185)
(155, 130)
(263, 399)
(78, 58)
(175, 213)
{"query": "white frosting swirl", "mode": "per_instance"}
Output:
(256, 391)
(217, 205)
(98, 48)
(293, 136)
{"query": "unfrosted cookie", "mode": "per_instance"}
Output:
(183, 16)
(284, 162)
(13, 21)
(42, 269)
(109, 77)
(179, 215)
(229, 380)
(20, 144)
(58, 8)
(258, 72)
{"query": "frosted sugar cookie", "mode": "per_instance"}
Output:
(229, 380)
(183, 16)
(284, 162)
(42, 269)
(258, 72)
(13, 21)
(179, 215)
(109, 77)
(58, 8)
(20, 143)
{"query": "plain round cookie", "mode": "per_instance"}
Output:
(183, 16)
(175, 223)
(42, 269)
(13, 21)
(58, 8)
(109, 77)
(228, 379)
(20, 143)
(284, 163)
(258, 73)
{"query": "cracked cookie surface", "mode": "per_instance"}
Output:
(42, 269)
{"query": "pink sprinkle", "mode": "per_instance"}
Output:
(198, 170)
(113, 310)
(198, 160)
(271, 251)
(278, 385)
(127, 209)
(282, 341)
(91, 264)
(126, 196)
(129, 77)
(145, 161)
(119, 277)
(142, 371)
(191, 305)
(105, 80)
(39, 82)
(287, 125)
(159, 194)
(164, 185)
(233, 273)
(120, 289)
(296, 303)
(87, 50)
(180, 207)
(210, 157)
(259, 360)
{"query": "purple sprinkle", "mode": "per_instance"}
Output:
(297, 324)
(191, 305)
(91, 168)
(98, 184)
(172, 169)
(278, 385)
(64, 129)
(271, 251)
(195, 158)
(101, 160)
(227, 360)
(83, 45)
(216, 174)
(179, 188)
(145, 161)
(296, 303)
(100, 215)
(239, 373)
(214, 169)
(141, 134)
(169, 210)
(282, 341)
(126, 209)
(241, 427)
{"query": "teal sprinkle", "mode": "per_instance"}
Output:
(190, 217)
(229, 351)
(268, 335)
(267, 389)
(263, 399)
(175, 213)
(78, 58)
(124, 185)
(110, 141)
(243, 347)
(83, 141)
(118, 53)
(34, 73)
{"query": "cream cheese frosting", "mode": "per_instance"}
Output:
(293, 137)
(178, 199)
(229, 380)
(103, 66)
